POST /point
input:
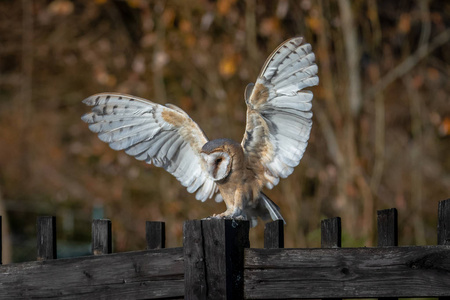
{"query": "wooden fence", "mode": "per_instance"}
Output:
(216, 262)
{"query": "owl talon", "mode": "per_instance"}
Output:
(236, 214)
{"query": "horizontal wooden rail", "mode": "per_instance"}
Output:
(131, 275)
(418, 271)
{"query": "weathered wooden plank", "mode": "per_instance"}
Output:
(422, 271)
(274, 234)
(331, 233)
(387, 221)
(101, 237)
(155, 235)
(46, 238)
(149, 274)
(214, 256)
(444, 222)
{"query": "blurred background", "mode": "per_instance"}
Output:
(381, 134)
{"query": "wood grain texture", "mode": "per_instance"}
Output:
(387, 222)
(422, 271)
(443, 229)
(274, 234)
(1, 239)
(101, 237)
(387, 225)
(331, 233)
(155, 235)
(150, 274)
(194, 260)
(444, 222)
(46, 238)
(214, 258)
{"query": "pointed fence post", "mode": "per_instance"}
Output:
(214, 258)
(155, 234)
(101, 237)
(46, 238)
(274, 234)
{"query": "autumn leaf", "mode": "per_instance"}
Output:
(228, 66)
(404, 24)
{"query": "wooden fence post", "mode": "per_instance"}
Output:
(331, 235)
(387, 223)
(46, 238)
(444, 222)
(101, 237)
(155, 234)
(214, 258)
(274, 234)
(443, 228)
(1, 244)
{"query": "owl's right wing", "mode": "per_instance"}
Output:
(163, 135)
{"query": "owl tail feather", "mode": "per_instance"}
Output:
(265, 208)
(272, 209)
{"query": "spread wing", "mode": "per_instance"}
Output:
(279, 111)
(163, 135)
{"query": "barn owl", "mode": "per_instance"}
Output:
(276, 135)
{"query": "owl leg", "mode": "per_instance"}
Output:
(226, 214)
(235, 210)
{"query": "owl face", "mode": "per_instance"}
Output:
(218, 164)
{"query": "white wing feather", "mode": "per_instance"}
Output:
(161, 135)
(279, 111)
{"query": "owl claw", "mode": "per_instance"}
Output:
(236, 214)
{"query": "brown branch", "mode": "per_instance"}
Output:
(352, 54)
(27, 62)
(409, 63)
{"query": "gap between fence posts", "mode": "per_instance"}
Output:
(214, 258)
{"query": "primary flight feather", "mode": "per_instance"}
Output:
(276, 135)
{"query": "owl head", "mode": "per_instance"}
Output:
(219, 156)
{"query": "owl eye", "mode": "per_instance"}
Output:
(218, 160)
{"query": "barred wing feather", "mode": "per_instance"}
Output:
(161, 135)
(279, 111)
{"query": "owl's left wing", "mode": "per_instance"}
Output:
(279, 111)
(163, 135)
